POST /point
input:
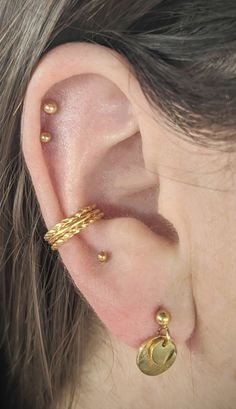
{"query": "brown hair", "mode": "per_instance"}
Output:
(183, 54)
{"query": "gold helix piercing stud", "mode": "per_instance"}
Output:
(50, 107)
(45, 137)
(102, 256)
(158, 353)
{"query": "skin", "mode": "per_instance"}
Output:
(111, 147)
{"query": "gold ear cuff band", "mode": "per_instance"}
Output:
(70, 226)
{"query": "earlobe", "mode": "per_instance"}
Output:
(97, 153)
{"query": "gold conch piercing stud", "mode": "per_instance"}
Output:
(157, 354)
(50, 107)
(72, 225)
(102, 256)
(45, 137)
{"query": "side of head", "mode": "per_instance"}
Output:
(145, 128)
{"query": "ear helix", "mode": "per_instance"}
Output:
(156, 354)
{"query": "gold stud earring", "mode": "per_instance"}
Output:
(158, 353)
(45, 137)
(102, 256)
(50, 107)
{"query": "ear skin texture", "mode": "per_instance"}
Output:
(101, 152)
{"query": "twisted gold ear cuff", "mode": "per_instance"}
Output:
(70, 226)
(157, 354)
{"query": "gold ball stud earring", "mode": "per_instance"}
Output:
(102, 256)
(45, 137)
(163, 318)
(50, 107)
(158, 353)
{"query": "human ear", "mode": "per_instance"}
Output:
(101, 152)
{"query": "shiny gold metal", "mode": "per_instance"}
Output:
(163, 318)
(72, 225)
(158, 353)
(102, 256)
(45, 137)
(50, 107)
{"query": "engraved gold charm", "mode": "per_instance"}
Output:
(157, 354)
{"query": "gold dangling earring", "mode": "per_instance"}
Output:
(157, 354)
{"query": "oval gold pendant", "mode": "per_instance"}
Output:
(156, 355)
